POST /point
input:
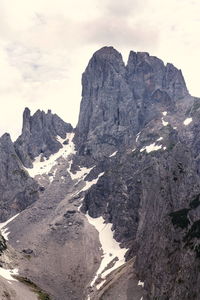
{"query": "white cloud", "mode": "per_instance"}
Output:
(45, 46)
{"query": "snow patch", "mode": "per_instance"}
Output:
(90, 183)
(112, 252)
(141, 283)
(164, 113)
(133, 150)
(51, 177)
(164, 123)
(160, 139)
(7, 273)
(114, 153)
(79, 207)
(81, 174)
(98, 286)
(137, 136)
(44, 167)
(4, 230)
(5, 233)
(150, 148)
(187, 121)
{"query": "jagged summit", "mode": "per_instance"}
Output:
(5, 137)
(104, 56)
(147, 73)
(118, 100)
(106, 52)
(39, 134)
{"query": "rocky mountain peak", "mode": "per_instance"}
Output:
(174, 82)
(26, 120)
(39, 135)
(17, 189)
(5, 139)
(146, 73)
(105, 63)
(118, 100)
(107, 52)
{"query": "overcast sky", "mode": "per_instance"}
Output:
(45, 46)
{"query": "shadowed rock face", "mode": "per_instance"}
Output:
(148, 197)
(17, 189)
(118, 100)
(2, 244)
(39, 134)
(147, 73)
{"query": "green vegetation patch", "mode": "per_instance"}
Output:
(179, 218)
(41, 294)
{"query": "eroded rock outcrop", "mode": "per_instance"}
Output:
(18, 190)
(39, 135)
(151, 183)
(118, 100)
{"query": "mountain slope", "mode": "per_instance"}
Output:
(133, 163)
(18, 190)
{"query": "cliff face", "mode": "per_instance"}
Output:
(39, 133)
(118, 100)
(150, 189)
(18, 190)
(39, 137)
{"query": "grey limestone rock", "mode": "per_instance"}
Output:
(107, 107)
(118, 100)
(147, 73)
(150, 188)
(152, 199)
(18, 190)
(39, 134)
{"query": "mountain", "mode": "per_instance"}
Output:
(118, 100)
(116, 214)
(17, 189)
(149, 190)
(39, 134)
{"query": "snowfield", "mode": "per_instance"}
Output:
(44, 167)
(4, 229)
(150, 148)
(187, 121)
(112, 252)
(7, 274)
